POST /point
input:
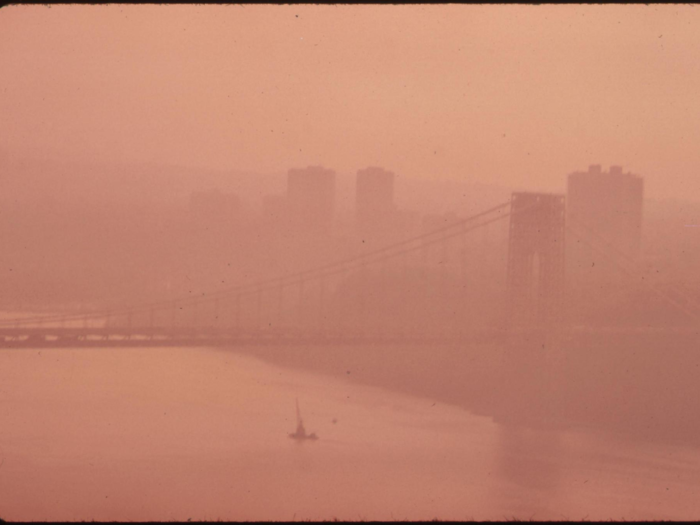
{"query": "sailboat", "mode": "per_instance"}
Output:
(301, 434)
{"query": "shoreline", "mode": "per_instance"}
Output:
(587, 387)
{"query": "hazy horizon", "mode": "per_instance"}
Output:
(349, 261)
(456, 92)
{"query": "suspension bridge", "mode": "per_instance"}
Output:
(340, 302)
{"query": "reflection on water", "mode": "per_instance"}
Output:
(527, 463)
(162, 434)
(527, 457)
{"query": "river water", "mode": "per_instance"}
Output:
(173, 434)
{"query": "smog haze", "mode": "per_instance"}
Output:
(316, 262)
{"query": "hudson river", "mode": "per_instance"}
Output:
(173, 434)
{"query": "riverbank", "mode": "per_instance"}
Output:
(640, 387)
(445, 372)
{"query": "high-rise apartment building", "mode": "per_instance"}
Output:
(610, 204)
(605, 211)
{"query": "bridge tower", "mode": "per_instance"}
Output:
(535, 282)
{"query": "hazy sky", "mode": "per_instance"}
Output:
(516, 95)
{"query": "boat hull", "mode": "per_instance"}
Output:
(310, 437)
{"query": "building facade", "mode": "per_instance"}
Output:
(604, 213)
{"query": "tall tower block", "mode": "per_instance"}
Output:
(607, 208)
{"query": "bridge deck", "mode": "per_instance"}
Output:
(130, 337)
(47, 337)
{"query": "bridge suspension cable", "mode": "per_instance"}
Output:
(624, 255)
(397, 249)
(632, 272)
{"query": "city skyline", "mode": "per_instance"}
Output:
(614, 83)
(341, 262)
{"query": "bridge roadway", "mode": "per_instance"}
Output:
(62, 337)
(187, 336)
